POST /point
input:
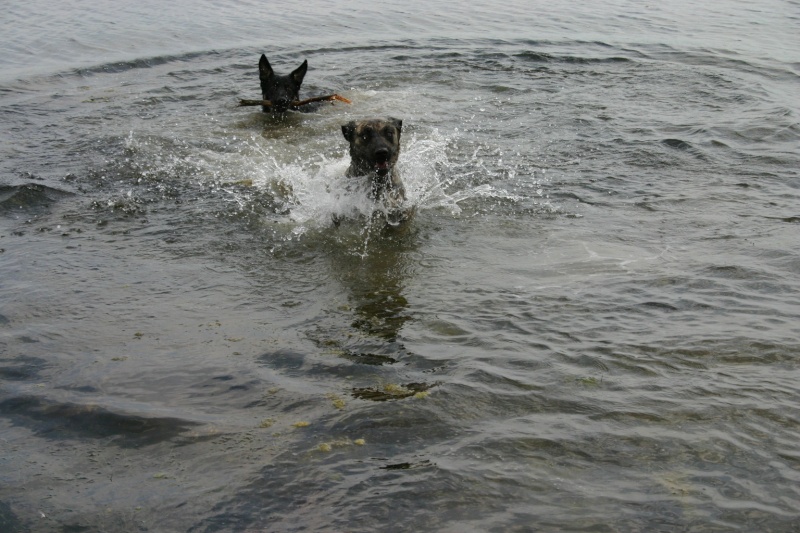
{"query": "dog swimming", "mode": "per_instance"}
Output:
(280, 90)
(374, 150)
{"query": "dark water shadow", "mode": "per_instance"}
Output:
(29, 198)
(54, 419)
(22, 367)
(9, 521)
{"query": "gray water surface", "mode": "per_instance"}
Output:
(591, 324)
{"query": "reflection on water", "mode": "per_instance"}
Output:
(375, 278)
(372, 263)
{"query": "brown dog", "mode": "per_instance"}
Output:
(374, 148)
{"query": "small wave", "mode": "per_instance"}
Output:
(677, 144)
(89, 420)
(29, 197)
(142, 63)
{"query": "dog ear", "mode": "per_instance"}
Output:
(349, 130)
(299, 73)
(264, 68)
(397, 123)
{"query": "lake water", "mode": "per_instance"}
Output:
(591, 324)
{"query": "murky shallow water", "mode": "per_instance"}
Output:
(591, 323)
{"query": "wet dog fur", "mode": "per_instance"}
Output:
(374, 149)
(280, 90)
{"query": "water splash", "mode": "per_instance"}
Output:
(434, 182)
(276, 182)
(313, 195)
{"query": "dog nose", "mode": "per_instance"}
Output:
(283, 103)
(382, 154)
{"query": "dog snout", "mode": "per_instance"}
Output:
(382, 155)
(281, 104)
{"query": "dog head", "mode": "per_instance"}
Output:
(280, 90)
(374, 145)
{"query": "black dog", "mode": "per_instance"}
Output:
(374, 148)
(280, 90)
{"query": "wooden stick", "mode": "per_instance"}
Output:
(297, 103)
